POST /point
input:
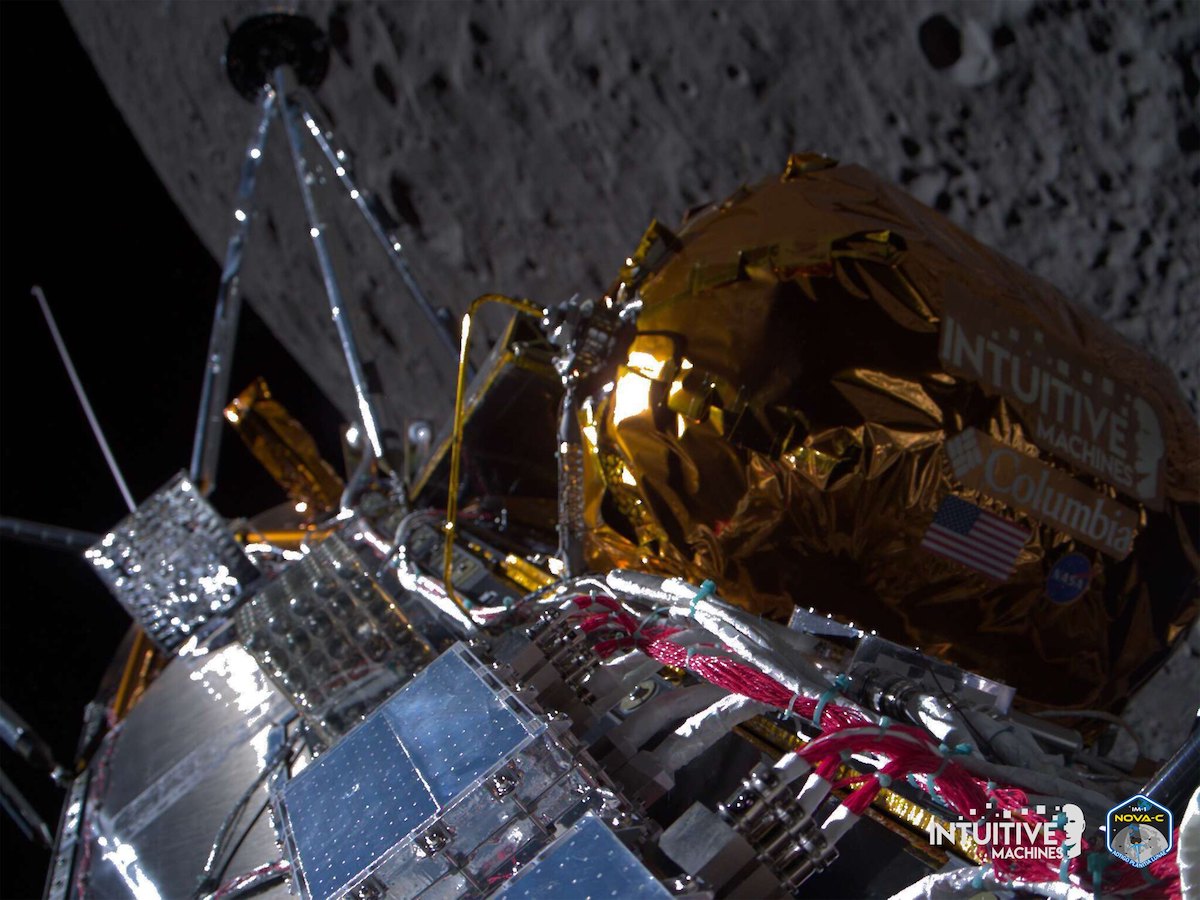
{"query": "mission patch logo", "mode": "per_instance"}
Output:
(1139, 831)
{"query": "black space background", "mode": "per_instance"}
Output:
(83, 214)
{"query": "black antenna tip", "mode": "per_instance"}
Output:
(262, 43)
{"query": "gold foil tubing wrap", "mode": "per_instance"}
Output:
(520, 572)
(286, 539)
(779, 424)
(525, 574)
(135, 676)
(915, 818)
(285, 449)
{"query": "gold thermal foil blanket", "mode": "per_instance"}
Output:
(836, 398)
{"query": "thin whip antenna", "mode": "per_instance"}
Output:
(83, 400)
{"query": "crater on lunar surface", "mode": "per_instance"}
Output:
(523, 148)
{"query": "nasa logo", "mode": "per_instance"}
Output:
(1140, 831)
(1069, 578)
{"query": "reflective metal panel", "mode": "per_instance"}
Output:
(172, 563)
(330, 638)
(169, 775)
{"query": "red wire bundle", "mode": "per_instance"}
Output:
(908, 750)
(736, 677)
(1158, 880)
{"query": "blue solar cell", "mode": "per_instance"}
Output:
(352, 805)
(434, 739)
(588, 864)
(454, 726)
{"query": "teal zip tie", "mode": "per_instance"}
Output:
(791, 707)
(1097, 862)
(947, 752)
(977, 879)
(917, 783)
(707, 588)
(839, 684)
(656, 613)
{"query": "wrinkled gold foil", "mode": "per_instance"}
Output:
(779, 425)
(285, 449)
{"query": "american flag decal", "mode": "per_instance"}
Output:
(967, 534)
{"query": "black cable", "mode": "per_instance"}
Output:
(981, 742)
(23, 815)
(1174, 783)
(256, 885)
(208, 880)
(218, 874)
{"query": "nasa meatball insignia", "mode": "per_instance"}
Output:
(1069, 579)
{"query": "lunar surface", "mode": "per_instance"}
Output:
(523, 147)
(1146, 843)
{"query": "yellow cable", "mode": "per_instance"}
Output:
(529, 308)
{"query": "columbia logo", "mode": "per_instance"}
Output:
(964, 453)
